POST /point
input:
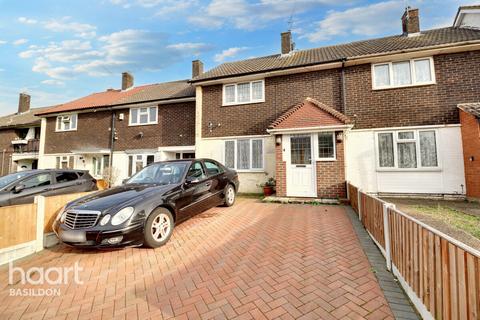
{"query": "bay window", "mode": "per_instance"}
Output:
(403, 73)
(244, 154)
(244, 92)
(412, 149)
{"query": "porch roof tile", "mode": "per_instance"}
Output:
(472, 108)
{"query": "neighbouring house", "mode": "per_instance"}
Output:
(381, 113)
(150, 123)
(470, 121)
(19, 138)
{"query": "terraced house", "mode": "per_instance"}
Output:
(20, 138)
(123, 129)
(381, 113)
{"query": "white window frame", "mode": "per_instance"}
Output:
(235, 158)
(60, 123)
(412, 74)
(225, 103)
(100, 160)
(144, 161)
(416, 139)
(137, 123)
(316, 145)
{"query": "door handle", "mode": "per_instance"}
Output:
(301, 165)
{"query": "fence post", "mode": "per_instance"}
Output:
(386, 232)
(348, 190)
(40, 201)
(359, 203)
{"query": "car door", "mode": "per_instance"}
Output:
(196, 191)
(67, 182)
(39, 184)
(216, 175)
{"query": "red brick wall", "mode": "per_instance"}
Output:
(471, 148)
(176, 127)
(457, 77)
(331, 176)
(281, 173)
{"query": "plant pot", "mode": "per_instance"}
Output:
(267, 191)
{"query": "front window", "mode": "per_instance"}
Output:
(160, 173)
(143, 116)
(244, 92)
(64, 162)
(403, 73)
(326, 146)
(412, 149)
(100, 165)
(138, 162)
(244, 154)
(67, 123)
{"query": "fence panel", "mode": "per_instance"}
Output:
(53, 206)
(353, 192)
(441, 274)
(372, 218)
(17, 225)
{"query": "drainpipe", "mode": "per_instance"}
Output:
(344, 92)
(112, 142)
(3, 159)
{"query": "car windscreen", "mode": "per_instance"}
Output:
(6, 180)
(160, 173)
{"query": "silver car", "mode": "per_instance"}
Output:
(22, 187)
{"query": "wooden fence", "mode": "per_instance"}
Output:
(23, 228)
(440, 274)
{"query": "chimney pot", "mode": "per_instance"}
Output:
(197, 68)
(127, 80)
(410, 21)
(23, 103)
(287, 44)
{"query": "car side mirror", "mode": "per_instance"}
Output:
(191, 180)
(19, 188)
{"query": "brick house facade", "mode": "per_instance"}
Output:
(469, 118)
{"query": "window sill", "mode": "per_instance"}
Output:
(325, 159)
(142, 124)
(409, 170)
(242, 103)
(249, 170)
(404, 86)
(66, 130)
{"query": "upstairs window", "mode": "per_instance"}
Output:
(67, 122)
(403, 73)
(143, 116)
(244, 92)
(407, 149)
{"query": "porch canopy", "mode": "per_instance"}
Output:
(310, 116)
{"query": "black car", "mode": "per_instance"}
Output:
(22, 187)
(145, 209)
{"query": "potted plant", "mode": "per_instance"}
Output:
(268, 187)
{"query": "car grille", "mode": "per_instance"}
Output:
(78, 219)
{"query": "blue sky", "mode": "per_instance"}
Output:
(61, 50)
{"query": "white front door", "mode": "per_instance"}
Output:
(300, 166)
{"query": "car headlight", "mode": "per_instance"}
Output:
(122, 216)
(62, 214)
(105, 220)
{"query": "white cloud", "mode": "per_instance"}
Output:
(369, 20)
(20, 42)
(110, 54)
(163, 7)
(53, 82)
(1, 70)
(2, 42)
(26, 20)
(81, 30)
(228, 53)
(245, 15)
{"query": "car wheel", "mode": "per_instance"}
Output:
(159, 228)
(230, 195)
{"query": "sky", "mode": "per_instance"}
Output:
(58, 51)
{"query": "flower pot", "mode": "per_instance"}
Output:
(267, 191)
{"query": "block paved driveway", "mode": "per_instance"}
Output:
(250, 261)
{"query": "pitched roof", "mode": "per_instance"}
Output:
(150, 92)
(358, 49)
(21, 119)
(310, 113)
(472, 108)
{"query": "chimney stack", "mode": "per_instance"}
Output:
(197, 68)
(287, 44)
(127, 81)
(23, 103)
(410, 21)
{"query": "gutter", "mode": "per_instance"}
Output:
(338, 62)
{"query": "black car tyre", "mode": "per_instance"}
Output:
(230, 195)
(158, 228)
